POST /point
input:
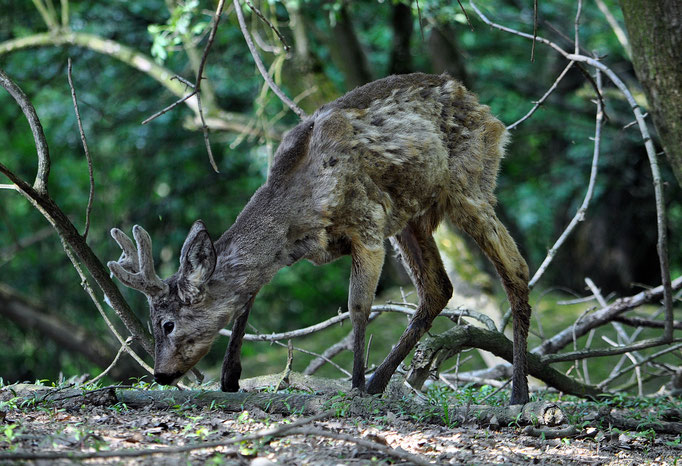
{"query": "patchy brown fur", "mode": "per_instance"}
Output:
(390, 159)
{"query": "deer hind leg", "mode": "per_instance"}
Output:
(232, 366)
(492, 237)
(364, 277)
(420, 254)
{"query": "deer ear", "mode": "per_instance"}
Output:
(197, 262)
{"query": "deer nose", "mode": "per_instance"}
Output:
(166, 379)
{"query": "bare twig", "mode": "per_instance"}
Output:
(644, 344)
(259, 64)
(646, 360)
(170, 107)
(294, 333)
(450, 313)
(617, 29)
(466, 15)
(345, 344)
(580, 214)
(209, 43)
(601, 317)
(197, 86)
(631, 357)
(123, 349)
(317, 355)
(284, 379)
(576, 40)
(535, 29)
(640, 322)
(277, 431)
(662, 243)
(91, 195)
(183, 81)
(270, 25)
(93, 297)
(543, 98)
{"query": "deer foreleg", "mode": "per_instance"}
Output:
(232, 366)
(365, 271)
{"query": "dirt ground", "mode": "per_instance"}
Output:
(45, 430)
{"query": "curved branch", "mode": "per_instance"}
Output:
(220, 120)
(40, 184)
(458, 338)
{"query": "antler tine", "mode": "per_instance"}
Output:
(128, 257)
(135, 268)
(145, 258)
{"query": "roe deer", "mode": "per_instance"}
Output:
(389, 159)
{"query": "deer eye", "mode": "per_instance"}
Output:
(168, 327)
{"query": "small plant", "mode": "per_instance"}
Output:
(10, 405)
(244, 418)
(675, 443)
(439, 398)
(119, 407)
(8, 434)
(340, 404)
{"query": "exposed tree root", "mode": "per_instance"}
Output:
(456, 339)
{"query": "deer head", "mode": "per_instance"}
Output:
(183, 313)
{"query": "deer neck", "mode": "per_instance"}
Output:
(250, 252)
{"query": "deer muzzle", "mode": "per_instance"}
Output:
(167, 379)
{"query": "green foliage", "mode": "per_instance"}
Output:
(181, 27)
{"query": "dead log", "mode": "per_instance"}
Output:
(354, 404)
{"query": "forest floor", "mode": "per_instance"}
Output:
(150, 433)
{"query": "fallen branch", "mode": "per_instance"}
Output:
(601, 317)
(376, 310)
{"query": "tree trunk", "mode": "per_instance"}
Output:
(401, 59)
(445, 53)
(348, 54)
(655, 30)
